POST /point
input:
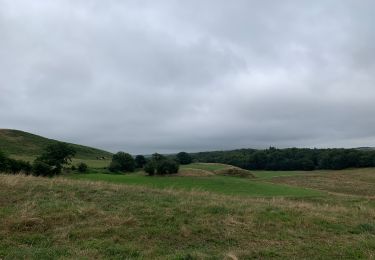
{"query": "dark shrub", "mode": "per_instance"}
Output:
(114, 166)
(13, 166)
(3, 162)
(41, 168)
(160, 165)
(140, 161)
(82, 167)
(157, 157)
(150, 168)
(122, 162)
(166, 167)
(184, 158)
(19, 166)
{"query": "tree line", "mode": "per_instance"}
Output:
(290, 158)
(51, 162)
(157, 164)
(58, 157)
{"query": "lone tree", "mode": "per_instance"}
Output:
(122, 162)
(53, 159)
(184, 158)
(140, 161)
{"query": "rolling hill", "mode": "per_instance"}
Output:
(22, 144)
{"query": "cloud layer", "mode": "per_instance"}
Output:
(145, 76)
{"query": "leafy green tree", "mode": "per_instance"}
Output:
(150, 168)
(122, 162)
(160, 165)
(140, 161)
(167, 166)
(55, 156)
(184, 158)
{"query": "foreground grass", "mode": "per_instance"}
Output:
(59, 218)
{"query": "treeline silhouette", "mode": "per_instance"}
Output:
(290, 158)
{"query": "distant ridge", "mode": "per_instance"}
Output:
(365, 148)
(20, 143)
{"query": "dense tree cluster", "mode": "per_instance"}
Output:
(291, 158)
(161, 165)
(184, 158)
(140, 161)
(123, 162)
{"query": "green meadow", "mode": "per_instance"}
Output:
(276, 215)
(216, 184)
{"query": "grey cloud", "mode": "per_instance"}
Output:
(145, 76)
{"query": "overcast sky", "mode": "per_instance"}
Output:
(170, 75)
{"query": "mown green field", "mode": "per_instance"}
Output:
(214, 183)
(217, 184)
(278, 215)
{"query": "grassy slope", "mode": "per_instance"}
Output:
(61, 218)
(22, 145)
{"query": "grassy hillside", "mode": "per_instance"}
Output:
(27, 146)
(43, 218)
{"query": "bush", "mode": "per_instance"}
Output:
(41, 168)
(161, 166)
(3, 162)
(82, 167)
(13, 166)
(140, 161)
(122, 162)
(114, 166)
(167, 167)
(150, 168)
(184, 158)
(19, 166)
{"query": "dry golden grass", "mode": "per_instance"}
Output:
(191, 172)
(348, 182)
(235, 171)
